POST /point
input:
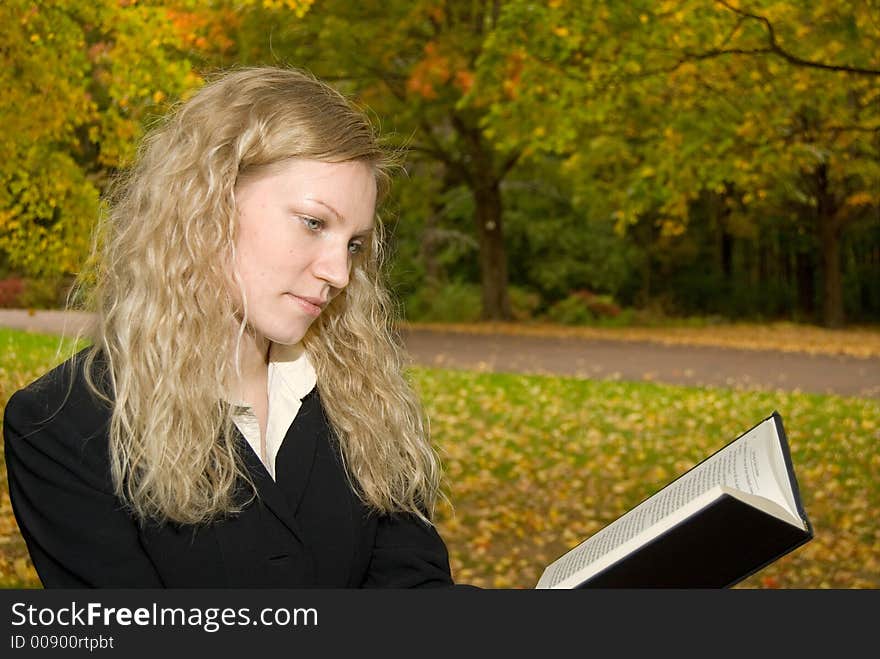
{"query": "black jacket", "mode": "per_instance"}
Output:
(307, 529)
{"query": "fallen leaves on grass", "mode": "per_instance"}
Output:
(23, 358)
(537, 464)
(786, 337)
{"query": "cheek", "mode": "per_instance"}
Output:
(268, 263)
(253, 248)
(249, 267)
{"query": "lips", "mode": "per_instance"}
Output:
(318, 302)
(309, 304)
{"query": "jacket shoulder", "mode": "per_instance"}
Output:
(61, 399)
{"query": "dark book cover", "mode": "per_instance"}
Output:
(716, 547)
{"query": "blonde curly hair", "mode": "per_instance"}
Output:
(163, 297)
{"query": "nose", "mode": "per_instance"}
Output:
(333, 265)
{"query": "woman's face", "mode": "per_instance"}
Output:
(300, 227)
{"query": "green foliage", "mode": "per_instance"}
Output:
(82, 78)
(652, 104)
(453, 302)
(570, 311)
(558, 242)
(629, 140)
(524, 302)
(586, 308)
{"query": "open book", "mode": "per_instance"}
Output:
(720, 522)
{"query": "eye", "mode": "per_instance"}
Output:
(311, 223)
(355, 247)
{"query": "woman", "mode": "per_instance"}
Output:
(241, 419)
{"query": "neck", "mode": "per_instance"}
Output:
(253, 356)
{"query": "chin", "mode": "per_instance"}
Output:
(289, 335)
(286, 339)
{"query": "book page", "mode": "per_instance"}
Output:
(780, 472)
(745, 465)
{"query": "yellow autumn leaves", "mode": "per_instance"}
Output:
(537, 464)
(781, 336)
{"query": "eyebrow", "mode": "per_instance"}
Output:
(339, 218)
(329, 208)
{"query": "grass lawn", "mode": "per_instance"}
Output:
(535, 464)
(860, 341)
(23, 357)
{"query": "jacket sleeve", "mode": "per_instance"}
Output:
(76, 530)
(408, 553)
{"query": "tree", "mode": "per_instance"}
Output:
(81, 79)
(658, 102)
(412, 63)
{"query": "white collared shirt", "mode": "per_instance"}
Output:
(291, 377)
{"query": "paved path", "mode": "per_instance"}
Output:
(625, 360)
(50, 322)
(630, 360)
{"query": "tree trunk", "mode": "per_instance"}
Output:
(484, 177)
(806, 290)
(428, 248)
(726, 256)
(832, 286)
(719, 212)
(829, 230)
(493, 257)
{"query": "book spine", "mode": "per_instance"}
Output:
(789, 468)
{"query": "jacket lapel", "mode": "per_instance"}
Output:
(293, 464)
(296, 457)
(268, 491)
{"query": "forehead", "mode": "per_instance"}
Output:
(348, 188)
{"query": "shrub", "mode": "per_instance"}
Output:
(11, 290)
(570, 311)
(523, 302)
(583, 307)
(601, 306)
(453, 302)
(44, 293)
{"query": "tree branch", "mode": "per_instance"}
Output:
(845, 129)
(509, 163)
(775, 48)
